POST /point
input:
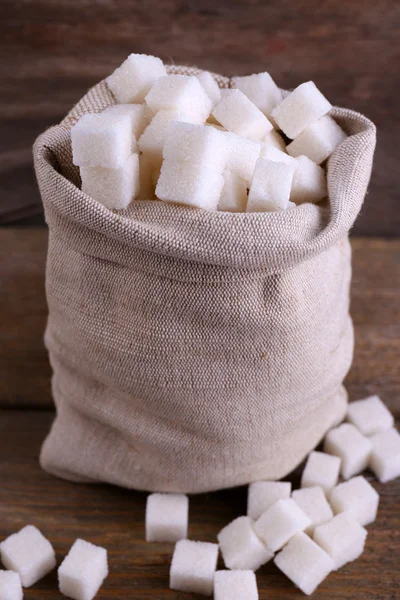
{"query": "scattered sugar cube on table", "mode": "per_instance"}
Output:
(235, 585)
(234, 193)
(167, 517)
(28, 553)
(242, 155)
(179, 92)
(370, 415)
(10, 586)
(238, 114)
(304, 562)
(270, 186)
(193, 567)
(261, 89)
(280, 522)
(385, 456)
(210, 86)
(318, 141)
(83, 571)
(131, 81)
(321, 470)
(351, 446)
(313, 502)
(343, 538)
(263, 494)
(241, 548)
(356, 497)
(309, 182)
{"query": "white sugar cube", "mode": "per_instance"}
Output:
(167, 517)
(235, 585)
(137, 113)
(321, 470)
(271, 153)
(261, 89)
(242, 155)
(179, 92)
(385, 457)
(210, 86)
(114, 188)
(263, 494)
(280, 522)
(134, 78)
(351, 446)
(301, 108)
(28, 553)
(83, 571)
(356, 497)
(234, 193)
(313, 502)
(238, 114)
(318, 141)
(304, 563)
(273, 138)
(193, 567)
(309, 182)
(343, 538)
(270, 187)
(370, 416)
(10, 586)
(240, 547)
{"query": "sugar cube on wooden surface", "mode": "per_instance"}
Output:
(234, 193)
(238, 114)
(270, 186)
(10, 586)
(309, 182)
(193, 567)
(240, 547)
(304, 563)
(385, 456)
(242, 155)
(321, 470)
(318, 141)
(137, 113)
(210, 86)
(263, 494)
(370, 416)
(83, 571)
(343, 538)
(313, 502)
(179, 92)
(133, 79)
(351, 446)
(167, 517)
(261, 89)
(28, 553)
(302, 107)
(273, 138)
(280, 522)
(235, 585)
(271, 153)
(357, 498)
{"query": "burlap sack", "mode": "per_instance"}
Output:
(193, 350)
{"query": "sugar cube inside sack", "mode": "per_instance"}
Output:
(351, 446)
(29, 554)
(83, 571)
(167, 517)
(271, 153)
(238, 114)
(193, 567)
(263, 494)
(321, 470)
(280, 522)
(313, 502)
(235, 585)
(318, 141)
(343, 538)
(240, 547)
(134, 78)
(242, 155)
(304, 563)
(234, 193)
(385, 457)
(10, 586)
(261, 89)
(357, 498)
(179, 92)
(273, 138)
(302, 107)
(137, 113)
(370, 416)
(270, 187)
(210, 86)
(147, 170)
(309, 182)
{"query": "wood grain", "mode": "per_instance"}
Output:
(51, 52)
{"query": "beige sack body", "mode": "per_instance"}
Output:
(193, 350)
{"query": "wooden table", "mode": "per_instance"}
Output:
(113, 517)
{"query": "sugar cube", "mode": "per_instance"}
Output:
(10, 586)
(242, 155)
(321, 470)
(147, 170)
(313, 502)
(167, 517)
(137, 114)
(83, 571)
(193, 567)
(263, 494)
(179, 92)
(133, 79)
(235, 585)
(370, 416)
(356, 497)
(270, 187)
(234, 193)
(280, 522)
(304, 563)
(210, 86)
(301, 108)
(309, 182)
(318, 141)
(114, 188)
(261, 89)
(271, 153)
(385, 457)
(273, 138)
(238, 114)
(240, 547)
(28, 553)
(343, 538)
(351, 446)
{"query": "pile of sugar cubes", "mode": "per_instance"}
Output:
(182, 139)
